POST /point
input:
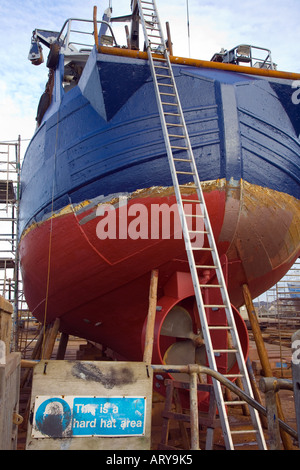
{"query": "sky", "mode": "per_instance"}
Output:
(213, 24)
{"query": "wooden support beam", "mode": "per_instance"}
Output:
(36, 353)
(63, 343)
(178, 409)
(28, 364)
(9, 401)
(149, 339)
(264, 359)
(256, 392)
(50, 339)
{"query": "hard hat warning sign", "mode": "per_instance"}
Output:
(73, 416)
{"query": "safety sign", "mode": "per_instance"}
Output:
(74, 416)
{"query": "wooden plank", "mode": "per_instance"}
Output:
(59, 378)
(6, 310)
(50, 339)
(63, 342)
(9, 400)
(263, 356)
(151, 317)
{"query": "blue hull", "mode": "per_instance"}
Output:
(103, 137)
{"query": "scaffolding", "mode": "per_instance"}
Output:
(283, 299)
(279, 314)
(10, 278)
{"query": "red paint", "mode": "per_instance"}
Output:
(99, 288)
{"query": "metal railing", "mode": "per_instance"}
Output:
(73, 31)
(194, 370)
(253, 56)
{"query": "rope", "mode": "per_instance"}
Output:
(50, 241)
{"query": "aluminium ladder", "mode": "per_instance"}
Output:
(174, 130)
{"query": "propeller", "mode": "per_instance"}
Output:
(190, 348)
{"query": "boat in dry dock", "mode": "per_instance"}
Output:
(98, 208)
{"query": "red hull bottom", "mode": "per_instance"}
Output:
(99, 288)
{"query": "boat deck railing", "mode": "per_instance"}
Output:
(77, 35)
(253, 56)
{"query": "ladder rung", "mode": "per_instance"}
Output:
(200, 248)
(166, 84)
(234, 403)
(166, 94)
(186, 200)
(216, 306)
(171, 114)
(197, 231)
(210, 285)
(169, 104)
(161, 75)
(177, 147)
(225, 327)
(170, 123)
(232, 375)
(160, 59)
(225, 350)
(162, 67)
(184, 160)
(205, 266)
(184, 172)
(243, 431)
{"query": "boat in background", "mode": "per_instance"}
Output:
(96, 169)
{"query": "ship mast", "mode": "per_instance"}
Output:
(135, 23)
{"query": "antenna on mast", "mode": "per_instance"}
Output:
(188, 26)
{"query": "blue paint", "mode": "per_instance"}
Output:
(108, 416)
(53, 417)
(104, 136)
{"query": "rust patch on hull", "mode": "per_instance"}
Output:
(264, 225)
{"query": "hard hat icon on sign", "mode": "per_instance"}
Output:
(53, 418)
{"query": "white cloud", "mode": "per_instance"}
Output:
(15, 117)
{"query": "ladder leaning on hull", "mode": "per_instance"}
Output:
(174, 130)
